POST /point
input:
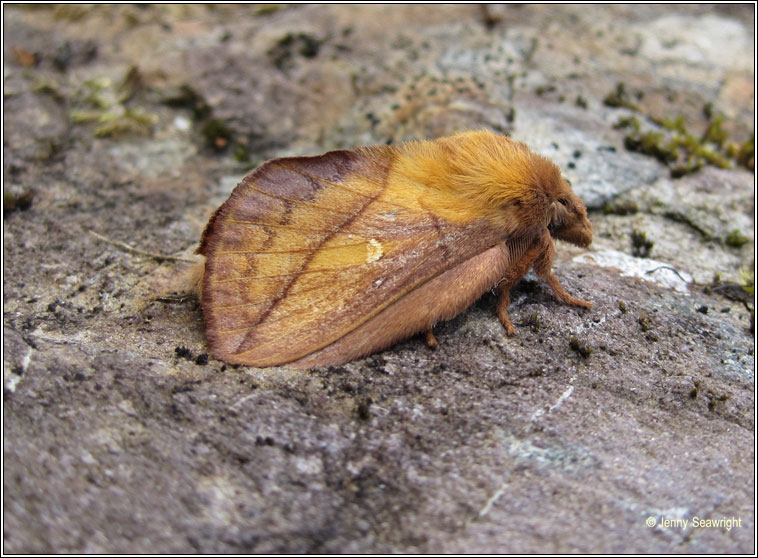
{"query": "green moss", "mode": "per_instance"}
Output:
(580, 347)
(542, 89)
(217, 134)
(746, 155)
(629, 208)
(715, 132)
(71, 12)
(132, 121)
(742, 292)
(98, 92)
(655, 145)
(695, 390)
(130, 85)
(673, 144)
(713, 157)
(675, 125)
(747, 280)
(78, 116)
(680, 217)
(50, 88)
(241, 153)
(285, 49)
(627, 122)
(363, 407)
(98, 101)
(641, 246)
(13, 201)
(620, 98)
(186, 97)
(267, 9)
(535, 322)
(644, 321)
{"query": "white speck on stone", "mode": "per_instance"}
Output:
(182, 123)
(11, 382)
(11, 379)
(566, 394)
(88, 458)
(378, 282)
(126, 407)
(309, 465)
(26, 360)
(650, 270)
(488, 506)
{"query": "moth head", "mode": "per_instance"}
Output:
(568, 218)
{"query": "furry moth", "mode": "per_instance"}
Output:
(325, 259)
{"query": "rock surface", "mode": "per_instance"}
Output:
(130, 124)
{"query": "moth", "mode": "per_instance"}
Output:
(324, 259)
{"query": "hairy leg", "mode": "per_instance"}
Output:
(431, 340)
(540, 255)
(511, 277)
(543, 268)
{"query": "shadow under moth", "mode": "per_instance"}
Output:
(325, 259)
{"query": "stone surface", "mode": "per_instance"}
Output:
(130, 124)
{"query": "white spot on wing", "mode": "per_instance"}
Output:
(374, 251)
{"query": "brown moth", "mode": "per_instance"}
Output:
(326, 259)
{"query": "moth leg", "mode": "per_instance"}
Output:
(503, 302)
(543, 268)
(431, 340)
(511, 277)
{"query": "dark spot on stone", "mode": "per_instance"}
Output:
(579, 347)
(183, 352)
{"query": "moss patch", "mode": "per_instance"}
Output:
(641, 245)
(671, 141)
(110, 106)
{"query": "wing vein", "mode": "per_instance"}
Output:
(232, 306)
(276, 225)
(283, 293)
(295, 201)
(412, 270)
(292, 251)
(344, 188)
(294, 274)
